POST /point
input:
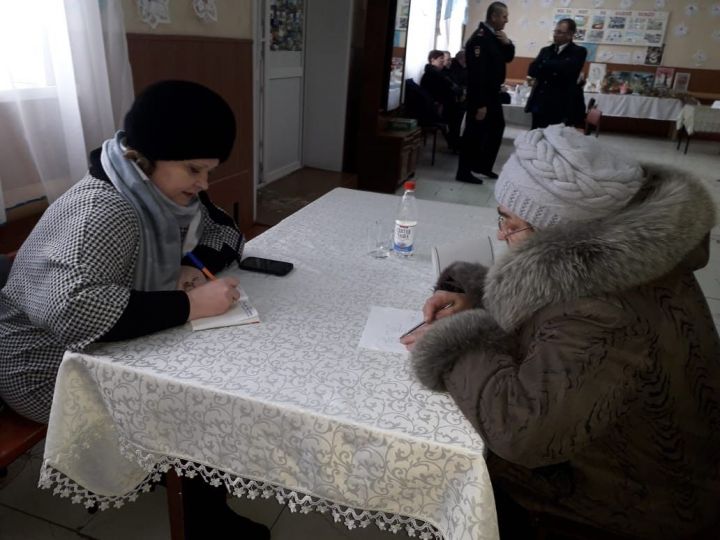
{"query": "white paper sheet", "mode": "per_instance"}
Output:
(384, 327)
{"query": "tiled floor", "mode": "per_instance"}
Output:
(27, 513)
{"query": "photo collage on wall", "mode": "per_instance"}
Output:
(402, 15)
(616, 27)
(286, 25)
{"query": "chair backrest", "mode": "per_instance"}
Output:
(419, 104)
(591, 105)
(593, 117)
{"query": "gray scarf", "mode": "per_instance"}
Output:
(161, 220)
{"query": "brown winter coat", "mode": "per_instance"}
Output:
(591, 367)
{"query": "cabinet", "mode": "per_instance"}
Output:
(390, 159)
(385, 158)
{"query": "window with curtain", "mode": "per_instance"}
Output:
(65, 82)
(434, 24)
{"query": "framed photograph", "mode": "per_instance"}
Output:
(682, 82)
(664, 77)
(654, 55)
(617, 23)
(596, 75)
(598, 22)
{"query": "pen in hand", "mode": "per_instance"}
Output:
(424, 322)
(200, 266)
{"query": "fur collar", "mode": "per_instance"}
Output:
(646, 240)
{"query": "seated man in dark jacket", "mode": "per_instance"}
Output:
(586, 356)
(437, 82)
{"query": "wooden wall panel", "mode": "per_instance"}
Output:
(225, 65)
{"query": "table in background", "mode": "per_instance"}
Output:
(289, 408)
(696, 119)
(625, 106)
(516, 115)
(636, 106)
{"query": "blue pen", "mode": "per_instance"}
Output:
(200, 266)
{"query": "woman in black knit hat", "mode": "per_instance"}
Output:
(106, 260)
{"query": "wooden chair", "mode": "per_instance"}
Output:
(419, 105)
(17, 434)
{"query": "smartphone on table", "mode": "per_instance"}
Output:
(266, 266)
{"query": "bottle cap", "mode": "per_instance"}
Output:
(410, 184)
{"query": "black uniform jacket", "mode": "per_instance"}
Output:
(486, 57)
(556, 78)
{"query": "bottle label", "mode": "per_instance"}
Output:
(404, 237)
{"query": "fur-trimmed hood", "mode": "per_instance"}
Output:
(590, 367)
(646, 240)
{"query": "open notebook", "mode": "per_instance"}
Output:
(241, 313)
(484, 249)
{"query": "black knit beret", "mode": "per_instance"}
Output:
(180, 120)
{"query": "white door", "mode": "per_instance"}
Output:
(327, 71)
(282, 46)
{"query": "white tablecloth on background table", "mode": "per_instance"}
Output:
(699, 119)
(289, 408)
(516, 115)
(635, 106)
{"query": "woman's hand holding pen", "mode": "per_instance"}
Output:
(441, 304)
(213, 298)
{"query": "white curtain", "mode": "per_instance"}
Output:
(421, 37)
(451, 25)
(65, 83)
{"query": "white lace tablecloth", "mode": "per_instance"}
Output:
(289, 408)
(699, 119)
(632, 106)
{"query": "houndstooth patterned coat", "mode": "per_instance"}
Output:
(71, 285)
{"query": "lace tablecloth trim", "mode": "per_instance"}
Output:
(156, 465)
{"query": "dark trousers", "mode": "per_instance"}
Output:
(481, 140)
(453, 115)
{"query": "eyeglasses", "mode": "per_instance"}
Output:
(502, 226)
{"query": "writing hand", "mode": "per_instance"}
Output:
(411, 339)
(443, 304)
(213, 298)
(480, 114)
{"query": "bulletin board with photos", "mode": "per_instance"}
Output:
(617, 27)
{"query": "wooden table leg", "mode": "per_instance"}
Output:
(175, 505)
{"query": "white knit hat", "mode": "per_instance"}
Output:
(558, 175)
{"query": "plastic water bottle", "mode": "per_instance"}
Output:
(405, 222)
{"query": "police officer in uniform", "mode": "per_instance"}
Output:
(556, 71)
(486, 53)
